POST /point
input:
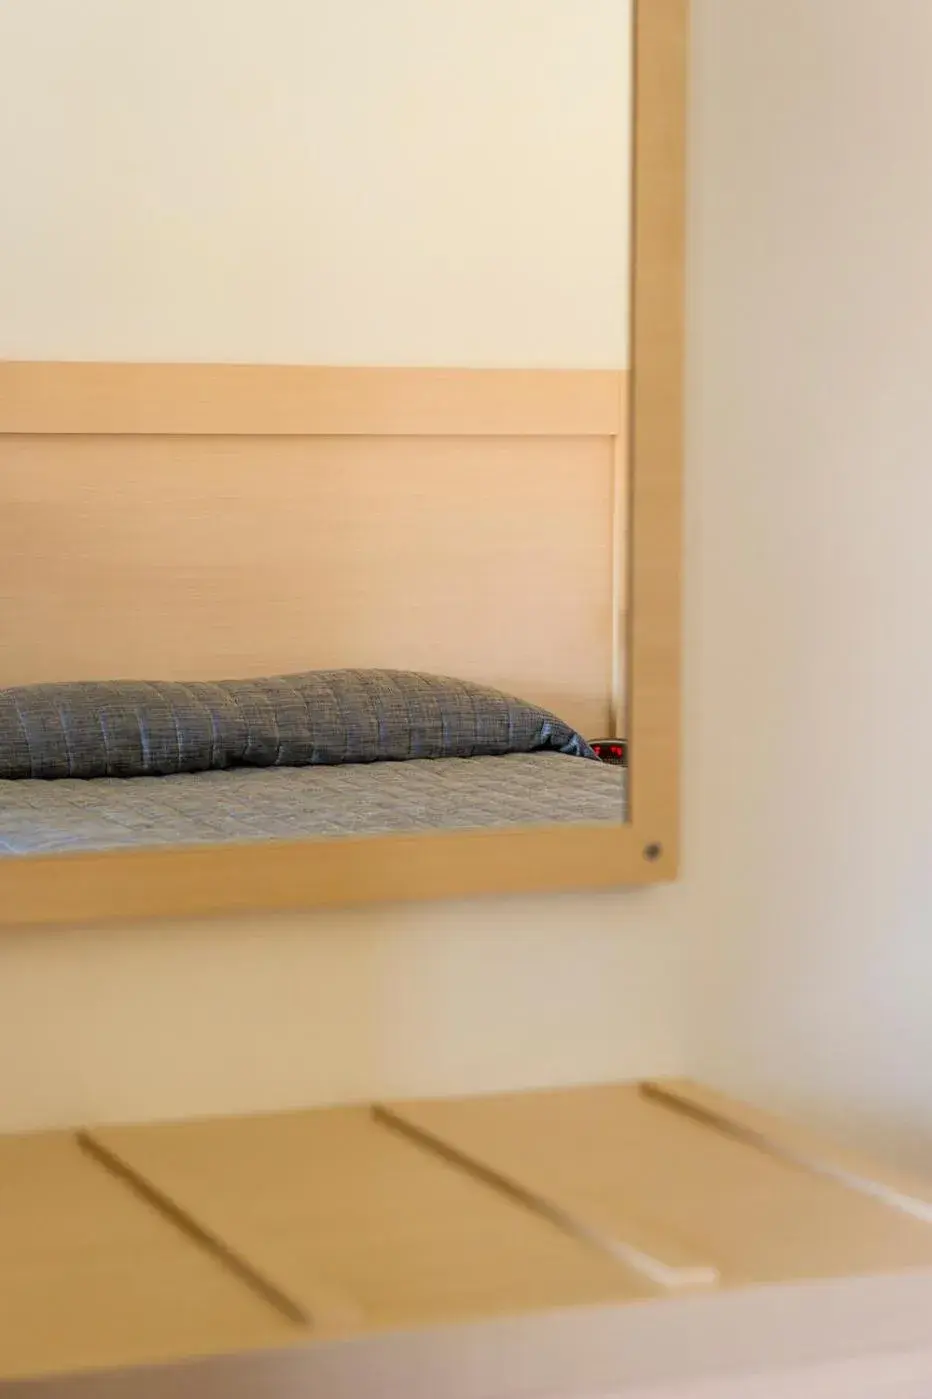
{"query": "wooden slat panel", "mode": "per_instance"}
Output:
(331, 1199)
(641, 1247)
(91, 1276)
(198, 558)
(383, 1236)
(270, 400)
(612, 1158)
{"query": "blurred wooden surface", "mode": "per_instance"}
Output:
(91, 1275)
(631, 1167)
(331, 1202)
(459, 1248)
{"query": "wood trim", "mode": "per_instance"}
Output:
(298, 400)
(656, 451)
(276, 875)
(226, 879)
(621, 505)
(866, 1338)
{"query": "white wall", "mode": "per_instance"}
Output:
(316, 181)
(172, 1020)
(378, 181)
(809, 579)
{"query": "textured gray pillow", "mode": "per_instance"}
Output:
(135, 728)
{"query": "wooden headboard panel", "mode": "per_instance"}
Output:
(186, 521)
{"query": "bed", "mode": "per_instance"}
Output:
(325, 753)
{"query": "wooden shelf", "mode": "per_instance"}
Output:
(606, 1235)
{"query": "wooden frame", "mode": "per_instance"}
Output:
(119, 399)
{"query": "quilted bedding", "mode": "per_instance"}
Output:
(288, 803)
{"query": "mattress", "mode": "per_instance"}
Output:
(289, 803)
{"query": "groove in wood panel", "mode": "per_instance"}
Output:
(787, 1144)
(188, 1224)
(92, 1276)
(670, 1276)
(628, 1167)
(328, 1199)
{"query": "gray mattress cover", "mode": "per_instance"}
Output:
(247, 804)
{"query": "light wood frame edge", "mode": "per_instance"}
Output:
(215, 880)
(656, 431)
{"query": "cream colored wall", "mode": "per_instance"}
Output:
(236, 181)
(316, 181)
(271, 1012)
(809, 580)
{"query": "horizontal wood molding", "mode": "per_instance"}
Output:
(298, 400)
(240, 878)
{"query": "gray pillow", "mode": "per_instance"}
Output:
(135, 728)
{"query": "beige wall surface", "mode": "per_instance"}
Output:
(306, 181)
(808, 889)
(171, 1020)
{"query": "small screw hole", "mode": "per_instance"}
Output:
(653, 851)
